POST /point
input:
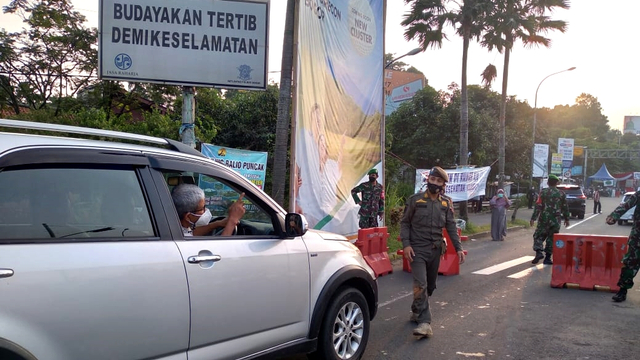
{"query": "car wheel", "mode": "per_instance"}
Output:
(581, 216)
(619, 222)
(345, 329)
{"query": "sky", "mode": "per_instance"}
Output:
(600, 42)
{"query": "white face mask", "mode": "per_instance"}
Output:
(203, 219)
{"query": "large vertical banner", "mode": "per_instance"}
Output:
(338, 107)
(540, 160)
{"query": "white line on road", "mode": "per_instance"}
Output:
(524, 273)
(394, 300)
(580, 222)
(505, 265)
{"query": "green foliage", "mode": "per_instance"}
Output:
(52, 57)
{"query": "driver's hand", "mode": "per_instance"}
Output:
(237, 210)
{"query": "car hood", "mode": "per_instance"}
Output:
(325, 235)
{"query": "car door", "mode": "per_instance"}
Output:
(86, 270)
(250, 291)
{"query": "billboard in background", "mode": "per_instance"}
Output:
(464, 183)
(565, 148)
(632, 125)
(556, 164)
(195, 43)
(400, 86)
(338, 108)
(250, 164)
(540, 160)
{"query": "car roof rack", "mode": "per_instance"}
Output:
(172, 144)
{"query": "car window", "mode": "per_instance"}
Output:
(572, 191)
(72, 203)
(219, 195)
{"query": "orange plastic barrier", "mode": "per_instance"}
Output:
(374, 241)
(449, 263)
(588, 262)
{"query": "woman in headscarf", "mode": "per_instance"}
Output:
(499, 205)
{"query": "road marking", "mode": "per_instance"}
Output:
(580, 222)
(505, 265)
(526, 272)
(394, 300)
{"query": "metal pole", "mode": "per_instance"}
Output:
(535, 108)
(187, 130)
(584, 178)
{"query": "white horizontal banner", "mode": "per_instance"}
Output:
(464, 184)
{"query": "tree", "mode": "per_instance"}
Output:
(53, 57)
(513, 20)
(284, 106)
(426, 21)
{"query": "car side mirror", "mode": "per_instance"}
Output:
(295, 225)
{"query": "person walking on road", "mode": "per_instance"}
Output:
(499, 205)
(631, 259)
(597, 207)
(551, 207)
(372, 203)
(425, 215)
(531, 196)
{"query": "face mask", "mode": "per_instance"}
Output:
(202, 219)
(372, 178)
(433, 188)
(500, 195)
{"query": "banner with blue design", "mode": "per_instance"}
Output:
(250, 164)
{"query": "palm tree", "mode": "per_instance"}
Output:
(284, 104)
(425, 22)
(513, 20)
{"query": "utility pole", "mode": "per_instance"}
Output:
(187, 130)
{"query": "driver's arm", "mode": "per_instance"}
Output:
(207, 229)
(236, 212)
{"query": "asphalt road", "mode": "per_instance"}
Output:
(511, 313)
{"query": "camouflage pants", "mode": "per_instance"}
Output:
(368, 222)
(544, 233)
(630, 263)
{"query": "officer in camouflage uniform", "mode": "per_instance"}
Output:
(630, 260)
(550, 208)
(372, 203)
(425, 215)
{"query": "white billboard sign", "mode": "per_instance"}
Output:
(540, 160)
(193, 43)
(565, 147)
(464, 183)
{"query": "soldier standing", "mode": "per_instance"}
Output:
(425, 215)
(630, 260)
(551, 207)
(372, 203)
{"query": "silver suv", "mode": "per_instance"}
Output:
(94, 264)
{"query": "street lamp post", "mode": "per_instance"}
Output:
(410, 53)
(535, 108)
(384, 99)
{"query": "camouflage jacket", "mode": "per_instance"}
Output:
(372, 202)
(551, 207)
(623, 208)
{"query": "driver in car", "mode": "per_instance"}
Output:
(195, 217)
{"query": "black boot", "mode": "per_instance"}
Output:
(538, 257)
(620, 296)
(547, 260)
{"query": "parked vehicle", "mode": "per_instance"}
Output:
(94, 264)
(576, 199)
(628, 216)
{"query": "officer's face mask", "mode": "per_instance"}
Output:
(434, 188)
(372, 178)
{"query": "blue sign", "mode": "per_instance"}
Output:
(250, 164)
(567, 164)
